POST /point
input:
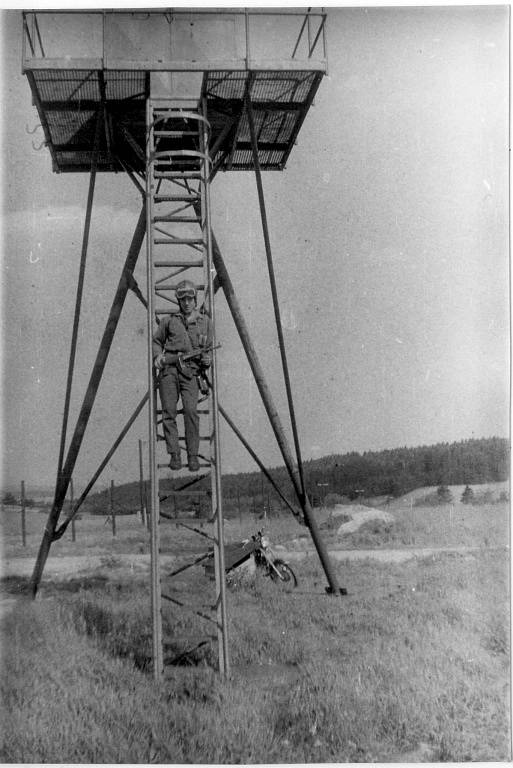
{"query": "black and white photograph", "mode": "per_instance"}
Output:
(255, 305)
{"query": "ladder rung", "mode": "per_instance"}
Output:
(180, 411)
(185, 566)
(190, 639)
(173, 657)
(184, 105)
(199, 286)
(169, 160)
(175, 133)
(164, 288)
(177, 159)
(175, 263)
(176, 198)
(177, 175)
(166, 466)
(190, 607)
(186, 493)
(164, 312)
(181, 241)
(162, 111)
(177, 219)
(202, 437)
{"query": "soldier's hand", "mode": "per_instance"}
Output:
(205, 360)
(159, 361)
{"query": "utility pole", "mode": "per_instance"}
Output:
(141, 484)
(71, 500)
(112, 512)
(23, 522)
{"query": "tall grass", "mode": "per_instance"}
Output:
(452, 524)
(414, 661)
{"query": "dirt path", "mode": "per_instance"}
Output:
(78, 565)
(383, 555)
(139, 564)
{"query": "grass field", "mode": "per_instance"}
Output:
(411, 666)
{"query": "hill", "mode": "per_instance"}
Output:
(388, 473)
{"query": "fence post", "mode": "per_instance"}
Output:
(148, 511)
(141, 484)
(112, 513)
(72, 499)
(23, 522)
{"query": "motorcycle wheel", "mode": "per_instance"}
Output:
(287, 577)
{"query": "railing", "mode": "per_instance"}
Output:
(185, 40)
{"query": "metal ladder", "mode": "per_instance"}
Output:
(179, 245)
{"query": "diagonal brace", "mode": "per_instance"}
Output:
(76, 506)
(274, 291)
(80, 286)
(254, 456)
(87, 405)
(302, 494)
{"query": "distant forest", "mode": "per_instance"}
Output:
(352, 475)
(391, 472)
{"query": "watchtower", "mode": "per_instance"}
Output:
(172, 98)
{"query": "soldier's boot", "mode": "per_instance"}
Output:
(193, 464)
(175, 461)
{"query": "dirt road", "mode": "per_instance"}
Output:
(383, 555)
(140, 563)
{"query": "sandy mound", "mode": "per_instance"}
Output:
(359, 515)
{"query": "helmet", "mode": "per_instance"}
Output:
(185, 288)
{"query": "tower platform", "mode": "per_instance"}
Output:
(124, 58)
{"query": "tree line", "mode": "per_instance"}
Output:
(391, 472)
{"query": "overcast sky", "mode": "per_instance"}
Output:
(389, 230)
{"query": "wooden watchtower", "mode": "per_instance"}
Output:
(172, 97)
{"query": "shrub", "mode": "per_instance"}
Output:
(333, 523)
(485, 497)
(467, 497)
(332, 499)
(372, 533)
(444, 494)
(429, 500)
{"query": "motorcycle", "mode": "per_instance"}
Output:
(259, 546)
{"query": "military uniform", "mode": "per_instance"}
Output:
(177, 333)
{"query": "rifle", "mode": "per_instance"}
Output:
(182, 358)
(191, 355)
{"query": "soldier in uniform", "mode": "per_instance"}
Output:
(184, 332)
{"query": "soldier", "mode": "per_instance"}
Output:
(184, 332)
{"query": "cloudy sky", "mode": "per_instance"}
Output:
(389, 230)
